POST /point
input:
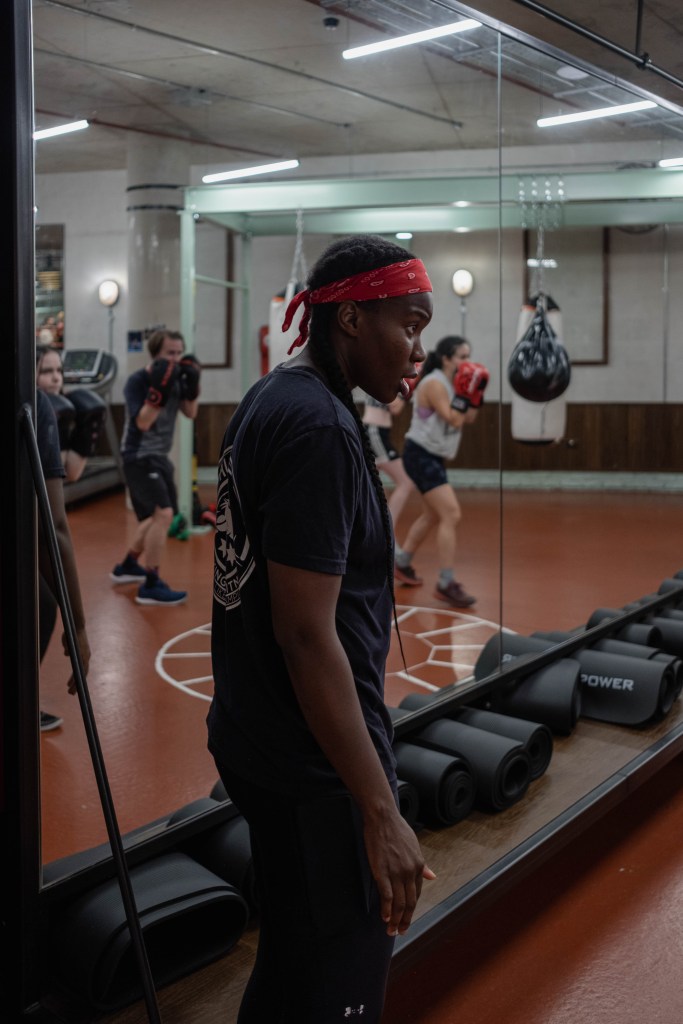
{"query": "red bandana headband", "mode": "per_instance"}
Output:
(405, 278)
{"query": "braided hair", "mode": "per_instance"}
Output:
(344, 258)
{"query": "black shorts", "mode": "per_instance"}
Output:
(380, 439)
(150, 485)
(427, 471)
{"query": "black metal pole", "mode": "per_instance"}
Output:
(641, 60)
(113, 831)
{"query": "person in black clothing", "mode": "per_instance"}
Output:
(303, 595)
(47, 436)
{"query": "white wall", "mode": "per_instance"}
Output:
(92, 208)
(645, 309)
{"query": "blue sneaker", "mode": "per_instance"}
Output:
(127, 571)
(159, 593)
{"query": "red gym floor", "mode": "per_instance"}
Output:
(591, 935)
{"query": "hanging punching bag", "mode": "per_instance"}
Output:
(539, 373)
(278, 340)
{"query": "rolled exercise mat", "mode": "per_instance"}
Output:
(634, 632)
(501, 648)
(501, 767)
(224, 849)
(189, 918)
(536, 739)
(641, 651)
(444, 782)
(551, 695)
(671, 633)
(624, 690)
(408, 802)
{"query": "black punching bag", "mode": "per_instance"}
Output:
(539, 368)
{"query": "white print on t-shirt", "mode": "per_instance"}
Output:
(234, 562)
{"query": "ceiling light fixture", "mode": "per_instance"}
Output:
(674, 161)
(589, 115)
(414, 37)
(551, 264)
(461, 203)
(247, 172)
(405, 235)
(462, 231)
(60, 129)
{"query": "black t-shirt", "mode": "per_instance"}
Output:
(293, 488)
(47, 438)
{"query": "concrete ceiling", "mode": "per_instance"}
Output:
(246, 81)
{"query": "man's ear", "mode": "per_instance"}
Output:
(347, 317)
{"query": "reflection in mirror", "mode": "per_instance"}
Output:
(577, 506)
(150, 678)
(403, 120)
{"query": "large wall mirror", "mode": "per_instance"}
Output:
(442, 144)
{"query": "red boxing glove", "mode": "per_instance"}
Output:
(162, 376)
(470, 382)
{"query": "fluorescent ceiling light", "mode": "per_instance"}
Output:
(552, 264)
(462, 203)
(414, 37)
(570, 73)
(404, 234)
(674, 161)
(462, 231)
(60, 129)
(247, 172)
(589, 115)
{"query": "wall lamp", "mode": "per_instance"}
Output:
(462, 284)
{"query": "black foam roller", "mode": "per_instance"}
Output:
(501, 648)
(672, 583)
(501, 767)
(633, 632)
(536, 739)
(408, 802)
(609, 646)
(224, 849)
(671, 633)
(624, 690)
(444, 783)
(551, 695)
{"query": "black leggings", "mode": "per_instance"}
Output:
(323, 954)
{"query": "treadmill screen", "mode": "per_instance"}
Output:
(80, 360)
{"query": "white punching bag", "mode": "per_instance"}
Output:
(279, 341)
(538, 422)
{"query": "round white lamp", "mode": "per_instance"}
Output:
(462, 284)
(108, 293)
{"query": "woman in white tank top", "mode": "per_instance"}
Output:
(434, 436)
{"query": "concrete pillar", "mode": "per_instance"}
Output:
(157, 171)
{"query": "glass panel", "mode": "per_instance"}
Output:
(588, 202)
(405, 117)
